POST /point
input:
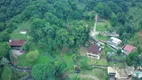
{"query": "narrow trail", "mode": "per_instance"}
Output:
(93, 31)
(28, 70)
(88, 76)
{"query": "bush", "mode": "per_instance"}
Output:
(32, 56)
(74, 77)
(119, 51)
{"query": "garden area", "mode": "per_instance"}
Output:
(103, 26)
(16, 33)
(102, 37)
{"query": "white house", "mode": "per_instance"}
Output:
(94, 51)
(114, 42)
(120, 74)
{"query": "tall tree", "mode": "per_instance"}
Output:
(48, 71)
(43, 72)
(4, 49)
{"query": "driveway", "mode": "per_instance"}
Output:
(16, 52)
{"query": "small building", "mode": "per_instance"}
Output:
(16, 44)
(76, 69)
(111, 76)
(94, 51)
(23, 31)
(120, 74)
(114, 42)
(128, 49)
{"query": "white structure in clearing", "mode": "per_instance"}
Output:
(114, 42)
(23, 32)
(120, 74)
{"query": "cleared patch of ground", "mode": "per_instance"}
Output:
(82, 51)
(103, 26)
(16, 33)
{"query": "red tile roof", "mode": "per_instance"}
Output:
(16, 42)
(129, 48)
(94, 49)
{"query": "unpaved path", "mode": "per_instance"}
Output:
(88, 76)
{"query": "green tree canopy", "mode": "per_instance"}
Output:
(43, 72)
(4, 49)
(48, 71)
(32, 55)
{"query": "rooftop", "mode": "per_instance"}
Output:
(115, 40)
(16, 42)
(129, 48)
(120, 73)
(94, 49)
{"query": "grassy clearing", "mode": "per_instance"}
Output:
(101, 61)
(101, 37)
(108, 49)
(82, 51)
(22, 61)
(116, 64)
(43, 59)
(102, 26)
(16, 33)
(99, 73)
(68, 59)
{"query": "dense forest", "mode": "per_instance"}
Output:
(60, 24)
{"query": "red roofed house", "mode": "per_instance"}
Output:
(16, 44)
(128, 49)
(94, 51)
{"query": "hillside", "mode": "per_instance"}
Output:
(52, 36)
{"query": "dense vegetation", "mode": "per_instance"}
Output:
(59, 24)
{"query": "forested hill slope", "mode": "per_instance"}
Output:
(54, 26)
(49, 18)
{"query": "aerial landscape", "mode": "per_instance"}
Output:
(70, 39)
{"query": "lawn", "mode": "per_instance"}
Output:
(101, 61)
(116, 64)
(99, 73)
(102, 38)
(22, 61)
(108, 49)
(102, 26)
(16, 33)
(68, 59)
